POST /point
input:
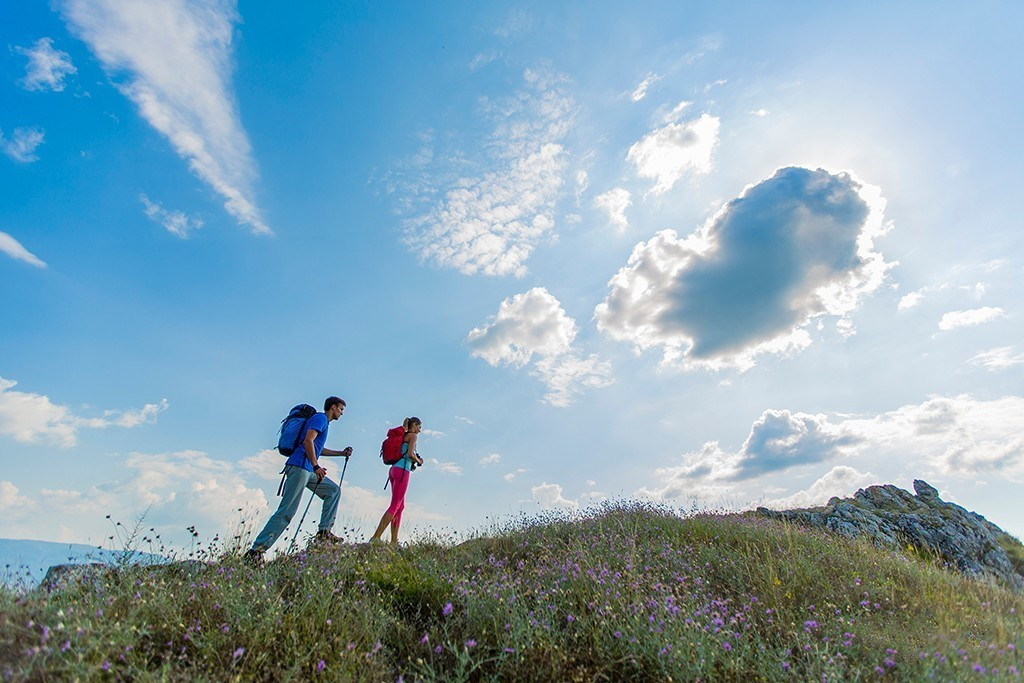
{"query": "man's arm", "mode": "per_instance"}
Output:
(338, 454)
(308, 444)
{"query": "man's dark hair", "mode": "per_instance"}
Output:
(333, 401)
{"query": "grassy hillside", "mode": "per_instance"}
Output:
(626, 592)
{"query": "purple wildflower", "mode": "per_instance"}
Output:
(424, 639)
(238, 653)
(447, 609)
(470, 643)
(726, 646)
(321, 665)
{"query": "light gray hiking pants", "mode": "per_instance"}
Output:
(296, 480)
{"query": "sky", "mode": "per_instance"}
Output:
(712, 255)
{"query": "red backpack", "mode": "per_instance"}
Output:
(391, 449)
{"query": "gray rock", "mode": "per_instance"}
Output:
(62, 575)
(892, 517)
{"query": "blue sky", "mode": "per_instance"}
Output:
(725, 255)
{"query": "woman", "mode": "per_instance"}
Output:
(398, 477)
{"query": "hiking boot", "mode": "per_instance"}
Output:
(325, 536)
(253, 557)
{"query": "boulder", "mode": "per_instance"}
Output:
(891, 517)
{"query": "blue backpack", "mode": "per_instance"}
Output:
(293, 427)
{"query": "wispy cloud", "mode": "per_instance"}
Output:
(790, 249)
(999, 358)
(446, 467)
(640, 91)
(15, 250)
(28, 417)
(911, 300)
(177, 223)
(614, 203)
(22, 144)
(490, 223)
(47, 67)
(666, 153)
(971, 318)
(535, 324)
(492, 459)
(175, 58)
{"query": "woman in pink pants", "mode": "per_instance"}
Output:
(398, 476)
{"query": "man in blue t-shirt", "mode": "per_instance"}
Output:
(303, 471)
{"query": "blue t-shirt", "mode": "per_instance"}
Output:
(298, 457)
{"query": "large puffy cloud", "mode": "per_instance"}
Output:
(29, 418)
(957, 435)
(535, 324)
(490, 223)
(794, 247)
(15, 250)
(176, 57)
(667, 153)
(47, 67)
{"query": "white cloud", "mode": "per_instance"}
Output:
(433, 433)
(760, 112)
(177, 223)
(959, 435)
(793, 248)
(490, 223)
(998, 359)
(510, 476)
(614, 203)
(910, 300)
(840, 481)
(21, 146)
(569, 374)
(15, 250)
(582, 183)
(465, 419)
(534, 323)
(28, 417)
(47, 67)
(492, 459)
(640, 91)
(446, 467)
(668, 152)
(10, 498)
(550, 496)
(975, 316)
(176, 59)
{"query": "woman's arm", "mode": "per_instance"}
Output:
(413, 438)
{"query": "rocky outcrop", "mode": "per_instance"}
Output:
(890, 516)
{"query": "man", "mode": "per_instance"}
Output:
(303, 471)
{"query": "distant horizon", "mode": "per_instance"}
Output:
(715, 255)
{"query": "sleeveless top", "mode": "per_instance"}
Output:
(406, 462)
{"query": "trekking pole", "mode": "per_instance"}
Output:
(292, 544)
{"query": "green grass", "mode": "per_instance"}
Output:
(624, 592)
